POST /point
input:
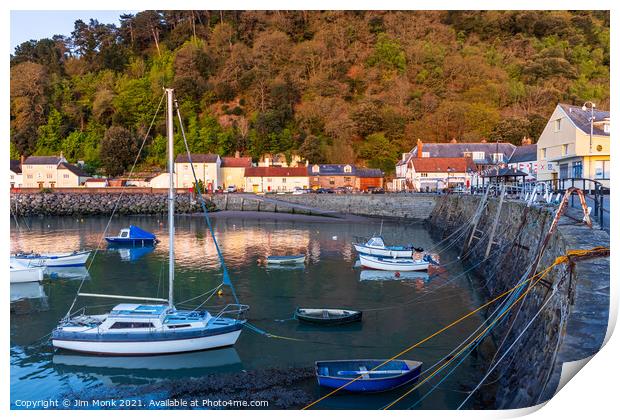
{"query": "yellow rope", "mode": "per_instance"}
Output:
(559, 260)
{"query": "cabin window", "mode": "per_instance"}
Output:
(557, 124)
(179, 326)
(124, 325)
(124, 234)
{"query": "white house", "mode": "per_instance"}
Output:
(15, 173)
(206, 166)
(276, 179)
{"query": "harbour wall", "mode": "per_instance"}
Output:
(68, 204)
(571, 327)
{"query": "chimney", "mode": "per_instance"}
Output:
(453, 140)
(483, 141)
(526, 141)
(420, 147)
(237, 154)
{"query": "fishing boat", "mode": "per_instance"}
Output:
(63, 259)
(375, 246)
(152, 328)
(286, 259)
(393, 264)
(327, 316)
(25, 274)
(367, 375)
(132, 236)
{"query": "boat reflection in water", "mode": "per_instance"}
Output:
(133, 253)
(69, 273)
(285, 267)
(31, 290)
(194, 364)
(379, 275)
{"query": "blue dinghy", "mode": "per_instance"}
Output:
(132, 236)
(340, 373)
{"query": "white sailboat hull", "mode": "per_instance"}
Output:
(393, 264)
(382, 252)
(26, 275)
(149, 347)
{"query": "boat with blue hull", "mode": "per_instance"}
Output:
(132, 236)
(367, 375)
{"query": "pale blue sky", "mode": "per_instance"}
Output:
(37, 24)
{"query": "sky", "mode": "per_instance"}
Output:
(37, 24)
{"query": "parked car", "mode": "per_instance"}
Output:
(376, 190)
(324, 191)
(343, 190)
(231, 189)
(299, 191)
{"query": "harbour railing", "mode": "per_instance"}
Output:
(550, 192)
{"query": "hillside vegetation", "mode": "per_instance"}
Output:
(331, 86)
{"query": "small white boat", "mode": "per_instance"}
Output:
(375, 275)
(286, 259)
(64, 259)
(24, 274)
(375, 246)
(393, 264)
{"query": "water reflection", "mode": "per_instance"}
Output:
(133, 253)
(68, 273)
(193, 364)
(31, 290)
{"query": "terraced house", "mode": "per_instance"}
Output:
(51, 172)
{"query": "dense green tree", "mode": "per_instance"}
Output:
(118, 150)
(379, 152)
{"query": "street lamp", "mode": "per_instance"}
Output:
(585, 108)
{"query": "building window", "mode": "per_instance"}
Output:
(332, 181)
(478, 155)
(498, 157)
(65, 176)
(49, 176)
(12, 177)
(316, 179)
(577, 169)
(185, 166)
(557, 125)
(315, 169)
(284, 180)
(564, 171)
(347, 179)
(601, 170)
(424, 175)
(29, 176)
(347, 169)
(426, 154)
(268, 179)
(606, 128)
(543, 153)
(564, 149)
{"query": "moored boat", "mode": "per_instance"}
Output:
(155, 328)
(376, 246)
(393, 264)
(24, 274)
(63, 259)
(367, 375)
(327, 316)
(132, 236)
(286, 259)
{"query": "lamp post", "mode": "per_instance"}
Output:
(585, 108)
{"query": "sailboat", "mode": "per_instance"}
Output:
(154, 326)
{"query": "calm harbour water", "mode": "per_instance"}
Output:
(412, 308)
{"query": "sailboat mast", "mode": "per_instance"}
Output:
(170, 126)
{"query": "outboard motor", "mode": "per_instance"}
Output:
(429, 259)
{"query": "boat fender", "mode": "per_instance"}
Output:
(397, 274)
(220, 292)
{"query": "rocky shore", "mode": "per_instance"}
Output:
(61, 204)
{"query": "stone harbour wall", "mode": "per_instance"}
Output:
(572, 326)
(67, 204)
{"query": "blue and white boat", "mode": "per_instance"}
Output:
(132, 236)
(155, 328)
(393, 264)
(375, 246)
(63, 259)
(286, 259)
(367, 375)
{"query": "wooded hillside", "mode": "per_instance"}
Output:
(331, 86)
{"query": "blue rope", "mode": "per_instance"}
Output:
(226, 277)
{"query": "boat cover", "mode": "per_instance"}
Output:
(136, 233)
